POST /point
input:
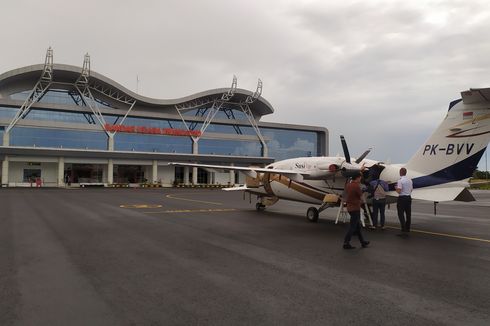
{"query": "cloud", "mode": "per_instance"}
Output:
(359, 68)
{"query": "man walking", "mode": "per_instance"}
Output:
(404, 189)
(353, 201)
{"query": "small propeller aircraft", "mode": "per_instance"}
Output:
(440, 169)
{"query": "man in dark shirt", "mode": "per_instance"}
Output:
(353, 202)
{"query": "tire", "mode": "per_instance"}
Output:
(312, 214)
(259, 207)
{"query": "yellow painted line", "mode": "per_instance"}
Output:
(443, 234)
(193, 200)
(138, 206)
(193, 211)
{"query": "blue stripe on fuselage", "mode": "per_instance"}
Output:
(459, 171)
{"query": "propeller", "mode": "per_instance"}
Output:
(346, 150)
(350, 168)
(363, 156)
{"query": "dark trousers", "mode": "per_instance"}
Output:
(379, 206)
(404, 208)
(354, 227)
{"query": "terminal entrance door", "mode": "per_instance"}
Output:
(179, 174)
(30, 175)
(129, 174)
(83, 173)
(202, 175)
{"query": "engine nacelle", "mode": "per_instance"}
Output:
(253, 182)
(350, 170)
(320, 175)
(350, 173)
(329, 167)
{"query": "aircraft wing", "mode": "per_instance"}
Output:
(239, 188)
(250, 171)
(443, 194)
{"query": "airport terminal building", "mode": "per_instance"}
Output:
(66, 125)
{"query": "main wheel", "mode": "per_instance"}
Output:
(259, 207)
(312, 214)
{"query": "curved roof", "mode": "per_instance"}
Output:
(25, 78)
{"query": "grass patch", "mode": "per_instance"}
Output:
(482, 184)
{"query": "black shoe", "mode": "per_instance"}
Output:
(365, 244)
(348, 246)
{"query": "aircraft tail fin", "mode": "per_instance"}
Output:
(453, 151)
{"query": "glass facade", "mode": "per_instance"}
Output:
(282, 143)
(230, 147)
(52, 115)
(7, 113)
(57, 138)
(226, 113)
(145, 122)
(152, 143)
(57, 96)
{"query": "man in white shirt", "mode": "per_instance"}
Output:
(404, 189)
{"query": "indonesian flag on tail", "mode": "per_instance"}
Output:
(467, 115)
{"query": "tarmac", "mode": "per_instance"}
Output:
(196, 256)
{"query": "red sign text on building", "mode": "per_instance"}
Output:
(152, 130)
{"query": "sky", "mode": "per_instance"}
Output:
(382, 73)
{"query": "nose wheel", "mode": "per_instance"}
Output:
(259, 207)
(312, 214)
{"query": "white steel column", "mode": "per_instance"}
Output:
(195, 150)
(195, 147)
(37, 92)
(186, 175)
(61, 172)
(232, 176)
(110, 142)
(265, 150)
(154, 172)
(210, 112)
(6, 139)
(110, 172)
(194, 175)
(5, 171)
(82, 86)
(251, 118)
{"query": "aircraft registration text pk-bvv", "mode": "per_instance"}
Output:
(450, 149)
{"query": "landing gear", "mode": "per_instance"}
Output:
(265, 201)
(259, 207)
(312, 214)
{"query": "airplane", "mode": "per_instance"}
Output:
(440, 169)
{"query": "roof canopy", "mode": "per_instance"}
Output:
(23, 79)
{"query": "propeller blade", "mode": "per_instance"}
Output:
(363, 155)
(344, 147)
